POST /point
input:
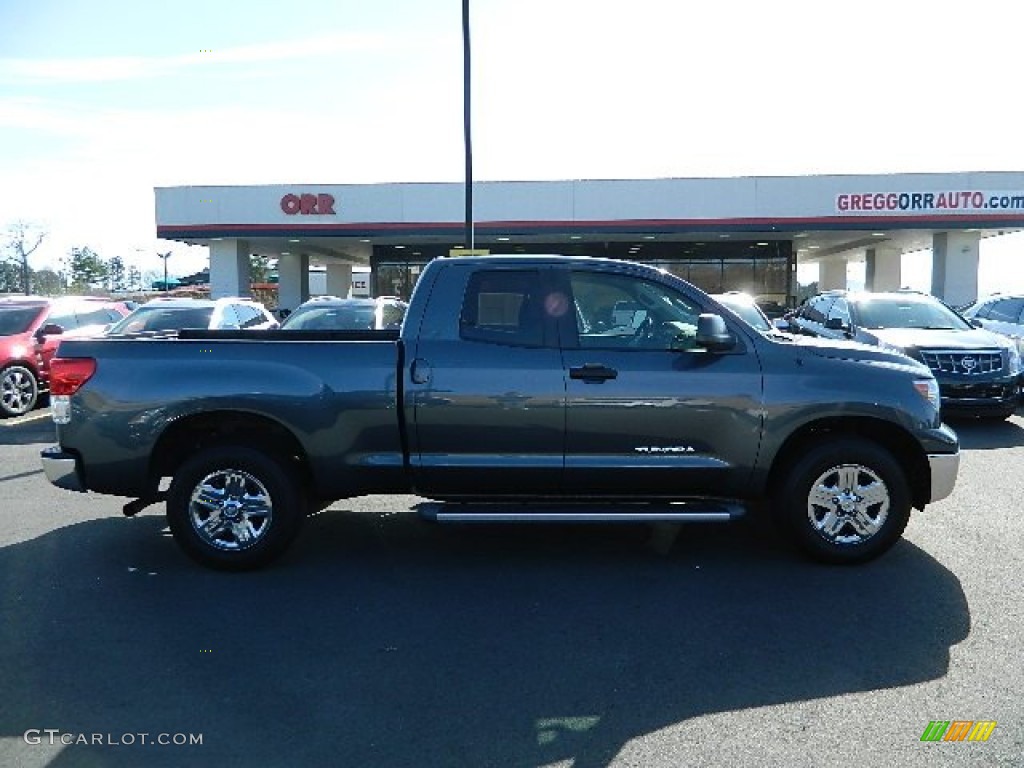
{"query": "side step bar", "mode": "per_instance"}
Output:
(489, 512)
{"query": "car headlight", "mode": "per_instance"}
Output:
(1015, 362)
(891, 348)
(928, 389)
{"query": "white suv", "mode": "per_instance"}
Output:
(1002, 313)
(163, 315)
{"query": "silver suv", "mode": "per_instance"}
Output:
(166, 315)
(1002, 313)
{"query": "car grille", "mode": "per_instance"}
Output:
(967, 363)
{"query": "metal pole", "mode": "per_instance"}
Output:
(467, 124)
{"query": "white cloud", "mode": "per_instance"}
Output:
(112, 68)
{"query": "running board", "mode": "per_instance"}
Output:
(682, 512)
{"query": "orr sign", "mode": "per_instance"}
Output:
(307, 204)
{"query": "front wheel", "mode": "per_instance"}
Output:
(235, 508)
(845, 501)
(19, 390)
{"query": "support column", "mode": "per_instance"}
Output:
(955, 266)
(831, 274)
(229, 269)
(883, 269)
(339, 279)
(292, 281)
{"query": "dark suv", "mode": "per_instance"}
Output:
(31, 327)
(979, 372)
(329, 313)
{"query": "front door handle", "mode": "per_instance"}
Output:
(593, 372)
(420, 371)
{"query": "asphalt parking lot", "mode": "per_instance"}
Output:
(382, 641)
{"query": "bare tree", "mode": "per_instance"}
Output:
(23, 238)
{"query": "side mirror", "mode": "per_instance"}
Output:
(835, 324)
(977, 322)
(50, 329)
(713, 334)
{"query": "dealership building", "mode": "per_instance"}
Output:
(745, 233)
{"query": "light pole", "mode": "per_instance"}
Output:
(165, 257)
(467, 124)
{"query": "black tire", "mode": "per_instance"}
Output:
(19, 390)
(846, 500)
(234, 508)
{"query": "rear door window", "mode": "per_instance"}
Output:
(504, 307)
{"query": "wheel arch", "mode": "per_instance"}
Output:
(894, 439)
(188, 435)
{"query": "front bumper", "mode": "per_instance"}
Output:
(62, 469)
(971, 396)
(944, 468)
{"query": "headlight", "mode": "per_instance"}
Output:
(929, 390)
(1015, 364)
(891, 348)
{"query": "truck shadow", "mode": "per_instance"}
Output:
(976, 434)
(381, 640)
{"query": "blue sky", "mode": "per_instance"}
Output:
(101, 101)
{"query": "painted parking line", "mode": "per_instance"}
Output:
(28, 418)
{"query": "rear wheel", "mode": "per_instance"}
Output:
(232, 507)
(19, 390)
(845, 501)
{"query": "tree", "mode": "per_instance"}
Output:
(116, 274)
(47, 282)
(10, 277)
(259, 268)
(87, 269)
(134, 278)
(23, 238)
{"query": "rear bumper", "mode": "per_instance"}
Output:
(62, 469)
(944, 469)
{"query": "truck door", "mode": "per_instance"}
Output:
(649, 413)
(486, 386)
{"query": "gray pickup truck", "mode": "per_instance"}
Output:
(519, 389)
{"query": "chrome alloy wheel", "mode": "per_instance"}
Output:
(17, 390)
(848, 504)
(230, 509)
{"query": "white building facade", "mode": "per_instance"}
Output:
(745, 233)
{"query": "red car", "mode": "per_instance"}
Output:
(31, 328)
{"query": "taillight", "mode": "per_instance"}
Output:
(68, 374)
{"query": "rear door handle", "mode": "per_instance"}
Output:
(593, 372)
(420, 371)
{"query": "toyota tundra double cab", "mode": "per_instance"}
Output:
(526, 389)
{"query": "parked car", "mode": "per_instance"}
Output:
(167, 315)
(329, 313)
(31, 327)
(979, 372)
(772, 308)
(1002, 313)
(747, 307)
